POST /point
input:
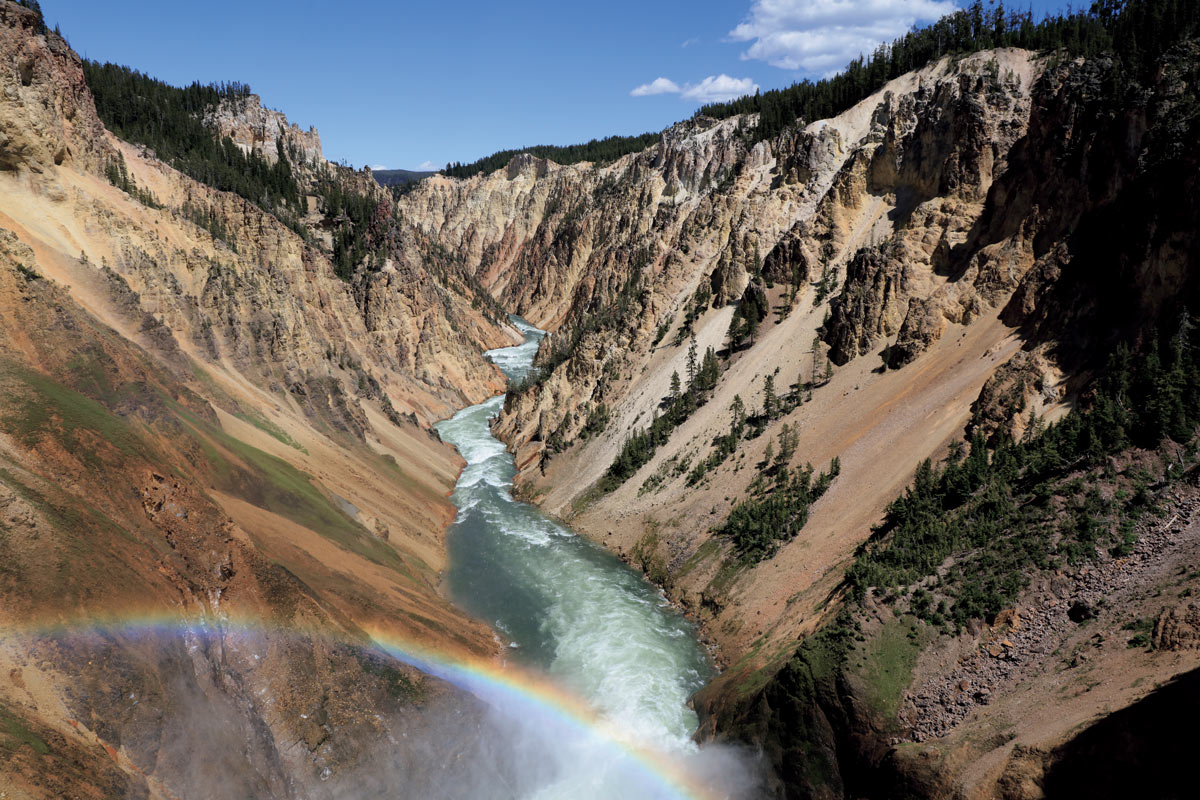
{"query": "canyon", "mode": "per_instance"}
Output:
(217, 425)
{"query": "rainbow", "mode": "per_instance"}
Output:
(489, 680)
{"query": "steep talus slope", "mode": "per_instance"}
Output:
(204, 425)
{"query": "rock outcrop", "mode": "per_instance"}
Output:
(48, 118)
(1178, 628)
(255, 128)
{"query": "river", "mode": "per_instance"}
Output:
(568, 609)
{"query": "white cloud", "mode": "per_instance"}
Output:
(656, 86)
(718, 88)
(427, 166)
(690, 42)
(377, 167)
(822, 36)
(713, 89)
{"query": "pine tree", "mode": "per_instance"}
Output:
(736, 327)
(752, 317)
(788, 441)
(691, 361)
(816, 354)
(737, 411)
(770, 401)
(710, 371)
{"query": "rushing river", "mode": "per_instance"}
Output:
(570, 610)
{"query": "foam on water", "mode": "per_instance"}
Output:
(517, 362)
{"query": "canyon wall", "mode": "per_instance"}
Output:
(217, 475)
(957, 254)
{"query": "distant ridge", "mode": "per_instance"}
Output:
(399, 177)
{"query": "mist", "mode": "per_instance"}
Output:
(500, 749)
(220, 714)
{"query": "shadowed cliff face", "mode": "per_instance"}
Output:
(1112, 217)
(1134, 752)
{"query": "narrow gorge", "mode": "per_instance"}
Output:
(838, 441)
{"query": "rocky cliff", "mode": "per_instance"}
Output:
(48, 116)
(216, 469)
(254, 127)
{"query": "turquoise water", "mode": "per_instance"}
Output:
(569, 609)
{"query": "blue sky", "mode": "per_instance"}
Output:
(407, 84)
